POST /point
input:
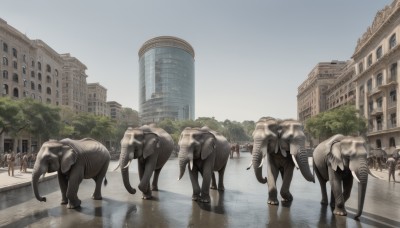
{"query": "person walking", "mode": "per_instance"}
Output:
(10, 162)
(24, 163)
(391, 167)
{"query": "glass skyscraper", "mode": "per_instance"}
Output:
(166, 80)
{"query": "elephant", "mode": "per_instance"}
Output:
(339, 159)
(74, 160)
(152, 147)
(204, 151)
(282, 141)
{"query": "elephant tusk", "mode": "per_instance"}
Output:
(370, 173)
(190, 165)
(128, 164)
(117, 167)
(262, 162)
(251, 163)
(295, 162)
(355, 176)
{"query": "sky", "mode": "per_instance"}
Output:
(250, 56)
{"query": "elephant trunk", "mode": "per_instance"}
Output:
(362, 174)
(124, 159)
(183, 160)
(36, 173)
(257, 162)
(302, 161)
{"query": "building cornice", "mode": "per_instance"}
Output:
(14, 32)
(382, 19)
(48, 50)
(166, 41)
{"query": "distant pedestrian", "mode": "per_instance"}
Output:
(24, 164)
(237, 148)
(391, 167)
(10, 162)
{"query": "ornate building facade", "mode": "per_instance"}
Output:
(97, 99)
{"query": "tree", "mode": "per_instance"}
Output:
(343, 120)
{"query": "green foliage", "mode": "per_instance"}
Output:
(343, 120)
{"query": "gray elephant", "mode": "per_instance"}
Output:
(74, 160)
(152, 147)
(339, 159)
(204, 151)
(282, 142)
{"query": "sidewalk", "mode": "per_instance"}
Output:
(19, 179)
(384, 175)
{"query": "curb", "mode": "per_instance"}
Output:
(23, 184)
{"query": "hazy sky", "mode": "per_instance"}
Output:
(250, 56)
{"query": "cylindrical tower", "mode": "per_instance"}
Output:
(166, 80)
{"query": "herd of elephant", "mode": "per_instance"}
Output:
(281, 143)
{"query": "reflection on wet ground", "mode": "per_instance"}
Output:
(243, 204)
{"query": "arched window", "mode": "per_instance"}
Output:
(392, 142)
(39, 87)
(32, 86)
(32, 74)
(379, 52)
(33, 63)
(15, 78)
(48, 68)
(379, 79)
(56, 72)
(378, 143)
(15, 53)
(392, 41)
(5, 47)
(48, 79)
(5, 61)
(48, 90)
(5, 74)
(39, 76)
(5, 89)
(15, 92)
(39, 65)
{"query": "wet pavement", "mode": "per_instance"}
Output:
(243, 204)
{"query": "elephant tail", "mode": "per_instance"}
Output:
(105, 181)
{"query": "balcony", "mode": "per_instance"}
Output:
(390, 81)
(374, 91)
(391, 104)
(377, 111)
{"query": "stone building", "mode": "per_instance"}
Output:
(114, 110)
(343, 90)
(97, 99)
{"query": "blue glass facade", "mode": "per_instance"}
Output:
(166, 80)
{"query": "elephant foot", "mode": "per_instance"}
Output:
(273, 202)
(221, 188)
(287, 200)
(339, 211)
(154, 188)
(286, 197)
(205, 199)
(77, 204)
(64, 202)
(143, 187)
(195, 197)
(97, 197)
(147, 197)
(213, 187)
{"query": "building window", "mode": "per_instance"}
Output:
(5, 89)
(15, 64)
(33, 63)
(379, 79)
(25, 82)
(5, 61)
(392, 41)
(392, 142)
(370, 106)
(39, 65)
(361, 67)
(56, 71)
(32, 86)
(393, 96)
(39, 87)
(5, 47)
(5, 74)
(24, 69)
(48, 79)
(32, 74)
(39, 76)
(15, 78)
(393, 121)
(378, 143)
(14, 51)
(15, 92)
(48, 68)
(379, 102)
(369, 85)
(379, 52)
(393, 72)
(369, 61)
(379, 123)
(48, 90)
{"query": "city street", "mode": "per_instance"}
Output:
(243, 204)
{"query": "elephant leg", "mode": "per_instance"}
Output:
(154, 185)
(213, 181)
(272, 190)
(221, 173)
(194, 178)
(75, 179)
(287, 176)
(144, 184)
(205, 187)
(99, 180)
(62, 180)
(347, 186)
(336, 186)
(322, 183)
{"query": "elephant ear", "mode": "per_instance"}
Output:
(68, 158)
(335, 156)
(152, 142)
(208, 146)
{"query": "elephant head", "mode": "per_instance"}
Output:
(194, 143)
(350, 153)
(137, 143)
(52, 156)
(265, 137)
(292, 140)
